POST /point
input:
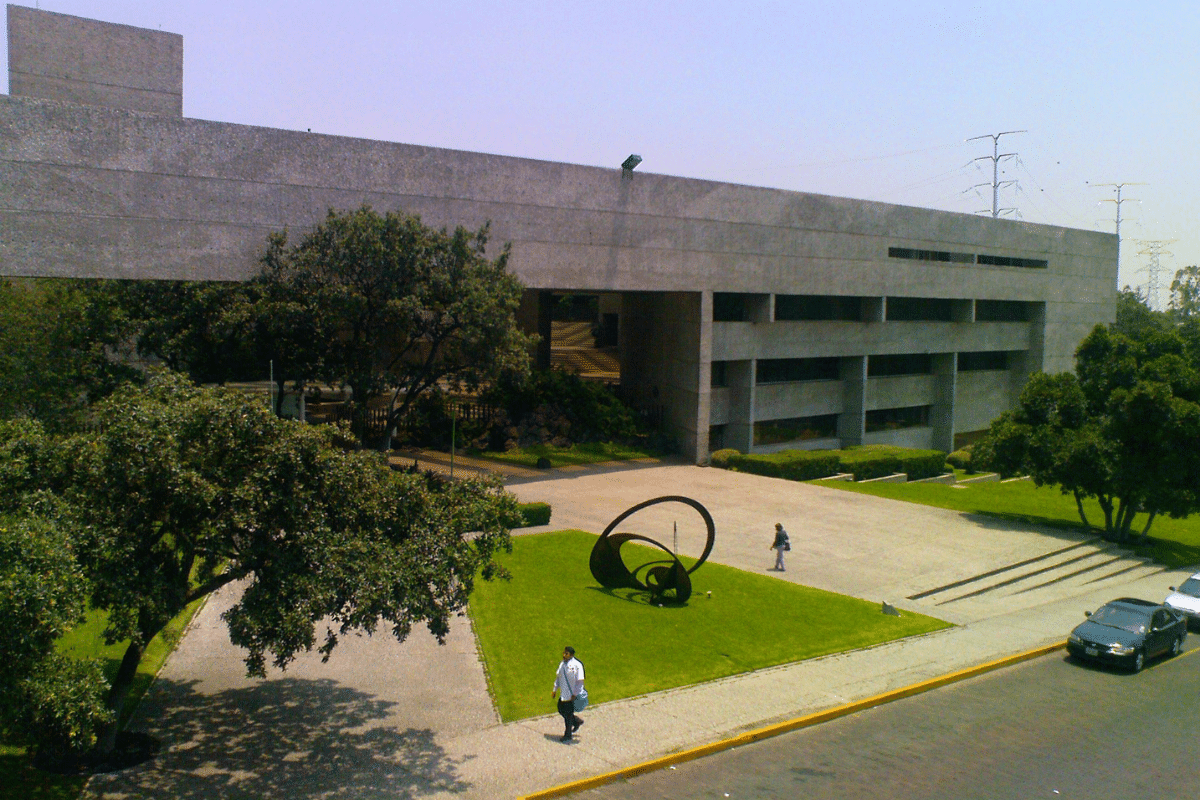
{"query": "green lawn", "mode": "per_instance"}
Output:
(1172, 542)
(566, 456)
(18, 779)
(631, 647)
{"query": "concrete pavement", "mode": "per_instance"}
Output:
(383, 719)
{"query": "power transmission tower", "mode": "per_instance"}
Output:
(1118, 200)
(1154, 251)
(996, 183)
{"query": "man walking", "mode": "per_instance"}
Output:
(568, 682)
(780, 545)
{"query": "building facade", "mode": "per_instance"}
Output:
(745, 317)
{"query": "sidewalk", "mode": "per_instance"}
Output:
(383, 719)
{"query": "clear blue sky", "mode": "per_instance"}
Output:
(867, 100)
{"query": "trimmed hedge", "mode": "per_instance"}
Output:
(961, 459)
(865, 463)
(534, 514)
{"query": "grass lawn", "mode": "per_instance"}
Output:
(631, 647)
(1172, 542)
(566, 456)
(18, 778)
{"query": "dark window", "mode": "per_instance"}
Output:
(716, 437)
(720, 374)
(1001, 311)
(919, 309)
(729, 307)
(978, 362)
(782, 370)
(576, 308)
(797, 429)
(1009, 261)
(931, 255)
(894, 419)
(789, 307)
(905, 364)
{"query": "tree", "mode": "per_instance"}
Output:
(1185, 293)
(185, 490)
(395, 307)
(1124, 429)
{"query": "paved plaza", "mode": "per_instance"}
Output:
(383, 719)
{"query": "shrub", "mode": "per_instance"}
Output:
(795, 465)
(720, 458)
(918, 464)
(534, 514)
(961, 459)
(867, 464)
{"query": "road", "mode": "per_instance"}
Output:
(1048, 728)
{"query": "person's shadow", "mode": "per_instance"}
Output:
(286, 738)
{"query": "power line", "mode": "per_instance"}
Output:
(995, 157)
(1154, 250)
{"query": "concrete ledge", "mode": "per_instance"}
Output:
(895, 477)
(985, 478)
(947, 478)
(1014, 480)
(798, 723)
(841, 476)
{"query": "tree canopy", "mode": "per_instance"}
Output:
(1123, 429)
(183, 490)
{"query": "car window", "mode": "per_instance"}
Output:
(1160, 619)
(1125, 619)
(1190, 587)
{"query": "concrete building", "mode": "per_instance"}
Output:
(748, 317)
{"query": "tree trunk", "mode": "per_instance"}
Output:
(118, 694)
(1106, 505)
(1082, 516)
(1146, 530)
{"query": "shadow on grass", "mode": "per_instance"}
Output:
(290, 738)
(638, 597)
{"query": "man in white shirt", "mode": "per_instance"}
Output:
(568, 682)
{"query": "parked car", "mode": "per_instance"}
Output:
(1127, 632)
(1186, 599)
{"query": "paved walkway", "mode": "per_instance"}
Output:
(414, 720)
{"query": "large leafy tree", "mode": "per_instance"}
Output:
(184, 490)
(1185, 293)
(394, 308)
(1124, 429)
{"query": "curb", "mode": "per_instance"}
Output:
(790, 725)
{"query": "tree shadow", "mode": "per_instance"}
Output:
(288, 738)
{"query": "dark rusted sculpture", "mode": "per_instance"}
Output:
(660, 576)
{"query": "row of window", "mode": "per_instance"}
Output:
(732, 307)
(966, 258)
(794, 370)
(824, 426)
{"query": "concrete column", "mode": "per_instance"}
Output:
(739, 430)
(760, 308)
(852, 422)
(1026, 363)
(962, 310)
(545, 310)
(945, 376)
(874, 309)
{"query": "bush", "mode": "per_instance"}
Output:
(720, 458)
(961, 459)
(534, 514)
(866, 464)
(794, 465)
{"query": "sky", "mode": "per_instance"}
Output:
(870, 100)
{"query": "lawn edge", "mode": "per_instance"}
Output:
(794, 724)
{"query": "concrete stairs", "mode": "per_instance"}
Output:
(1077, 569)
(574, 349)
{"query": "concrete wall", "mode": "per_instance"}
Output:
(60, 57)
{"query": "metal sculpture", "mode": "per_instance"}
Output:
(659, 576)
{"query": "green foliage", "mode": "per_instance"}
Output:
(1124, 430)
(866, 464)
(534, 514)
(750, 622)
(720, 458)
(47, 701)
(55, 348)
(1185, 293)
(795, 465)
(961, 459)
(393, 308)
(592, 453)
(919, 464)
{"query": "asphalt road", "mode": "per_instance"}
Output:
(1049, 728)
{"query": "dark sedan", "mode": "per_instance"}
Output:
(1127, 632)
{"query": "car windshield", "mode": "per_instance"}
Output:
(1190, 586)
(1121, 618)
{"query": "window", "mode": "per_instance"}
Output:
(905, 364)
(720, 374)
(783, 370)
(919, 309)
(1001, 311)
(796, 429)
(791, 307)
(894, 419)
(729, 307)
(931, 255)
(1009, 261)
(979, 362)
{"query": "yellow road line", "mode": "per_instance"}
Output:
(789, 725)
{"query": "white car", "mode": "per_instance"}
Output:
(1187, 599)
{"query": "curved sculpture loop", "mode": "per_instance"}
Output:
(656, 577)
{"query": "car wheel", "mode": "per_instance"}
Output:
(1177, 646)
(1139, 660)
